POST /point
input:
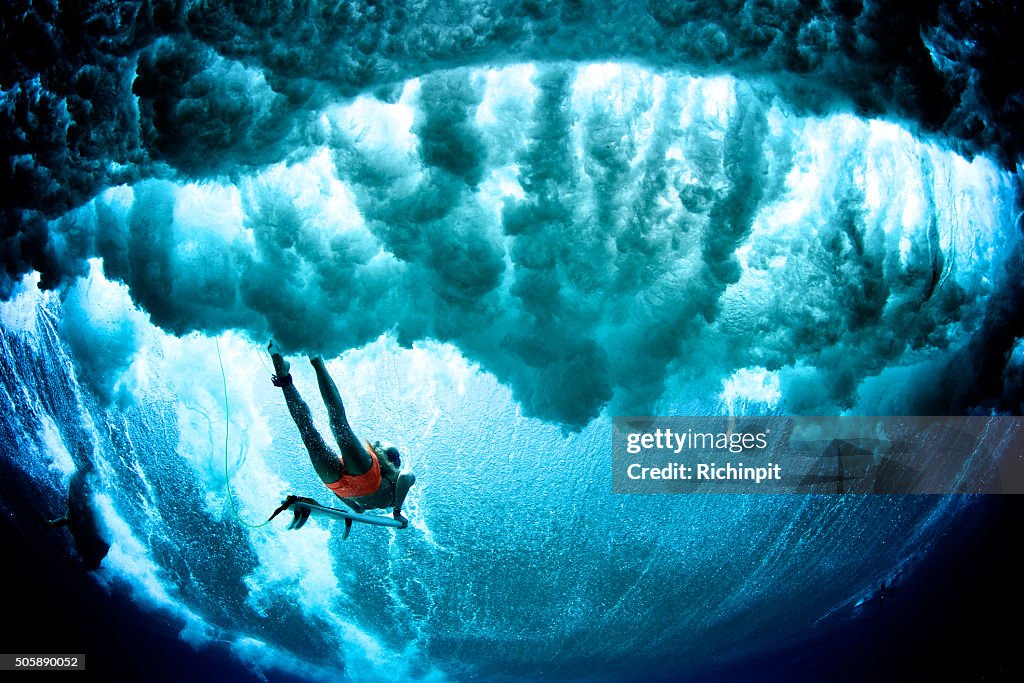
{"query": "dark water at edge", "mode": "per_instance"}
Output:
(956, 618)
(52, 606)
(943, 622)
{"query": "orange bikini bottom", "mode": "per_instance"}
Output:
(362, 485)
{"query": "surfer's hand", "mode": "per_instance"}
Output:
(398, 515)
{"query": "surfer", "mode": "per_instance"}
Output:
(82, 520)
(365, 476)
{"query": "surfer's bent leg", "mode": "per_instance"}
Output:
(325, 461)
(357, 460)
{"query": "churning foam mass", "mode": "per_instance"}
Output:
(506, 222)
(585, 233)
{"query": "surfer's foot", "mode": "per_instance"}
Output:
(281, 366)
(282, 377)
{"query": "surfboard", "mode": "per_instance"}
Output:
(304, 508)
(338, 513)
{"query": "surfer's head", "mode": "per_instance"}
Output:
(393, 456)
(390, 453)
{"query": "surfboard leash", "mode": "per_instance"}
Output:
(227, 427)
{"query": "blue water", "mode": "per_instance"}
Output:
(501, 224)
(520, 563)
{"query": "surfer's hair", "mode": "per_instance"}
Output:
(392, 459)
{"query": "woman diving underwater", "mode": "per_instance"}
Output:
(364, 476)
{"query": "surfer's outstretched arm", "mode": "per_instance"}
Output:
(405, 481)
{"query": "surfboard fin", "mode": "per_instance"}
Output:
(301, 517)
(348, 529)
(300, 513)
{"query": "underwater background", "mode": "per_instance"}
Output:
(502, 224)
